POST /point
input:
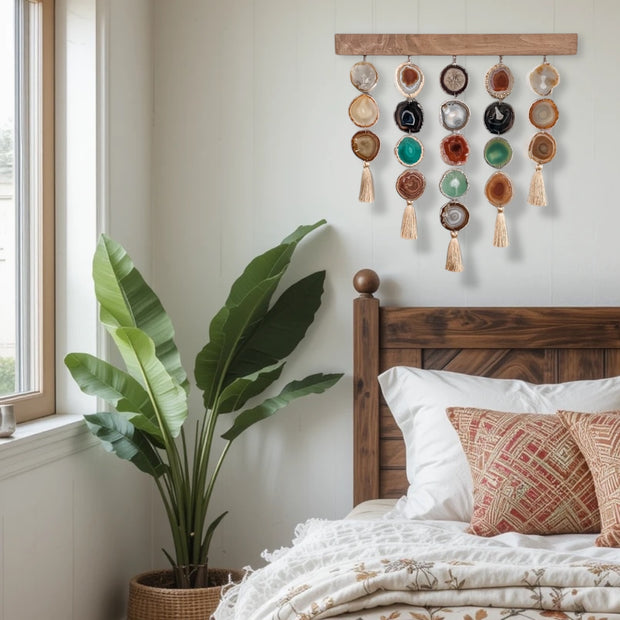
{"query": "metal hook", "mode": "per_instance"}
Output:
(453, 59)
(364, 58)
(545, 58)
(501, 59)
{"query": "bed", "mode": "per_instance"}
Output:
(480, 491)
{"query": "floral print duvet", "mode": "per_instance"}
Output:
(416, 570)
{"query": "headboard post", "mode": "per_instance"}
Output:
(365, 387)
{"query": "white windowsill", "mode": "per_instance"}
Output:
(41, 441)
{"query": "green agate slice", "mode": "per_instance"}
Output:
(497, 152)
(453, 184)
(409, 151)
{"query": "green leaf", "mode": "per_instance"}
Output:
(247, 303)
(237, 393)
(117, 388)
(272, 262)
(212, 362)
(301, 231)
(126, 300)
(209, 534)
(121, 437)
(313, 384)
(168, 397)
(282, 328)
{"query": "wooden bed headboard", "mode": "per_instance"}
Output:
(540, 345)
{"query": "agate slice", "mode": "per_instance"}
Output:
(499, 81)
(411, 184)
(497, 152)
(499, 117)
(544, 114)
(453, 184)
(454, 216)
(364, 111)
(454, 115)
(544, 78)
(454, 150)
(542, 148)
(409, 79)
(409, 116)
(409, 151)
(365, 145)
(498, 189)
(454, 79)
(364, 76)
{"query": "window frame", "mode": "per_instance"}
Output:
(41, 401)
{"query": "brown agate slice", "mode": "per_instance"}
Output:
(364, 111)
(499, 81)
(544, 78)
(454, 216)
(409, 79)
(365, 145)
(544, 114)
(454, 150)
(542, 148)
(498, 189)
(411, 184)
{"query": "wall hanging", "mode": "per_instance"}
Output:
(454, 148)
(499, 118)
(364, 112)
(409, 151)
(543, 115)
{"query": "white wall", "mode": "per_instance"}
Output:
(75, 523)
(252, 138)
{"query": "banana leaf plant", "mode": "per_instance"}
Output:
(248, 340)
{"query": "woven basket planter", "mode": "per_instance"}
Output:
(152, 596)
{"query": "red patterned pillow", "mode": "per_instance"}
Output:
(598, 438)
(529, 475)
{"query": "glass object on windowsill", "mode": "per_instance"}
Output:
(7, 420)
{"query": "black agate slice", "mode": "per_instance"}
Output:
(409, 116)
(499, 117)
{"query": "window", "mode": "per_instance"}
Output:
(27, 207)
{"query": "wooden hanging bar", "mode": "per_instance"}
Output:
(551, 44)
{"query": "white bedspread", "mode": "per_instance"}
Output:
(408, 569)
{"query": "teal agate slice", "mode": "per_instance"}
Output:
(453, 184)
(497, 152)
(409, 151)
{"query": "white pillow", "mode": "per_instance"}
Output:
(440, 484)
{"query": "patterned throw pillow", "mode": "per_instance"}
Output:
(598, 438)
(529, 475)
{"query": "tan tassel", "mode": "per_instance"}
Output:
(367, 188)
(409, 225)
(500, 238)
(537, 195)
(454, 262)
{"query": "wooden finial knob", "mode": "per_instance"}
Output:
(366, 282)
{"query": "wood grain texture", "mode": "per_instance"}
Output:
(540, 345)
(366, 398)
(500, 328)
(456, 44)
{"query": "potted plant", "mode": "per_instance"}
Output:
(248, 340)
